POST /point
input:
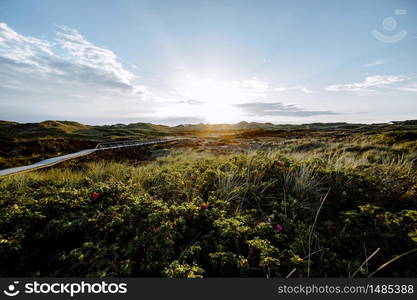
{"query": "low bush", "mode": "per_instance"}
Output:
(198, 215)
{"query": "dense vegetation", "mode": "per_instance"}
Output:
(318, 206)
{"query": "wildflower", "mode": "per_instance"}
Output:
(193, 178)
(297, 259)
(280, 164)
(95, 195)
(278, 227)
(204, 206)
(259, 174)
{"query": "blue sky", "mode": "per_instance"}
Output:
(172, 62)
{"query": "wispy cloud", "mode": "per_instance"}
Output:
(82, 62)
(191, 102)
(84, 54)
(293, 88)
(279, 109)
(412, 87)
(253, 84)
(67, 77)
(368, 84)
(21, 53)
(374, 63)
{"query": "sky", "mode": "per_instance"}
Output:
(225, 61)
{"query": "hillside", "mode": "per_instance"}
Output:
(69, 129)
(24, 143)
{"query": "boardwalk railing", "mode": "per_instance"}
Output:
(101, 146)
(123, 144)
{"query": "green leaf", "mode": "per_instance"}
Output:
(413, 236)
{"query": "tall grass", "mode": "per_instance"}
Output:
(234, 201)
(302, 181)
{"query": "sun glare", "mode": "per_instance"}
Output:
(217, 113)
(212, 100)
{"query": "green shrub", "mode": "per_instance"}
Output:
(201, 215)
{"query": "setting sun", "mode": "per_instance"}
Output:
(213, 100)
(220, 113)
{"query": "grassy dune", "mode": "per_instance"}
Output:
(316, 206)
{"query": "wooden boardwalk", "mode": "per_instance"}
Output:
(101, 146)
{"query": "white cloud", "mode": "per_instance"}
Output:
(412, 87)
(293, 88)
(280, 109)
(23, 58)
(22, 53)
(66, 78)
(370, 82)
(86, 54)
(374, 63)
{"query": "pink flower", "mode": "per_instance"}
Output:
(280, 164)
(95, 195)
(278, 227)
(193, 177)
